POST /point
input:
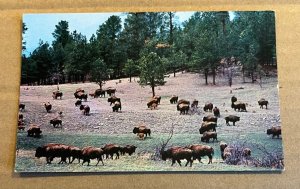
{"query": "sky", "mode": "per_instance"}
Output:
(41, 26)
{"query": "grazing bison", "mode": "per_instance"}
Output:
(48, 107)
(111, 91)
(207, 126)
(142, 129)
(111, 149)
(117, 106)
(81, 96)
(208, 135)
(57, 94)
(113, 99)
(223, 145)
(129, 149)
(152, 101)
(177, 154)
(85, 109)
(21, 117)
(195, 104)
(99, 93)
(210, 118)
(158, 98)
(21, 107)
(231, 118)
(78, 103)
(55, 122)
(88, 153)
(274, 131)
(199, 151)
(262, 102)
(174, 99)
(208, 106)
(53, 150)
(34, 131)
(216, 111)
(239, 105)
(183, 108)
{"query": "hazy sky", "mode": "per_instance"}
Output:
(41, 26)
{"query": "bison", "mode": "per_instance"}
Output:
(262, 102)
(183, 101)
(142, 129)
(210, 118)
(195, 104)
(21, 107)
(239, 105)
(111, 91)
(99, 92)
(55, 122)
(117, 106)
(208, 106)
(78, 103)
(21, 117)
(231, 118)
(88, 153)
(34, 131)
(233, 99)
(158, 98)
(129, 149)
(199, 151)
(153, 106)
(141, 136)
(223, 145)
(207, 126)
(57, 94)
(208, 135)
(274, 131)
(113, 99)
(111, 149)
(174, 99)
(152, 101)
(81, 95)
(48, 107)
(216, 111)
(85, 109)
(52, 150)
(177, 154)
(75, 153)
(183, 108)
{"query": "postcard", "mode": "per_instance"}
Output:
(148, 92)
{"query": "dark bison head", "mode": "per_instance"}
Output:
(269, 131)
(164, 155)
(40, 152)
(202, 139)
(135, 130)
(81, 107)
(237, 118)
(51, 121)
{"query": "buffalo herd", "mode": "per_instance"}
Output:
(175, 153)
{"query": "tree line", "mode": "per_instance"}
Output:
(152, 44)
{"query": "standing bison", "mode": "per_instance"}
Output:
(142, 129)
(111, 149)
(85, 109)
(240, 106)
(99, 93)
(34, 131)
(208, 135)
(262, 102)
(216, 111)
(177, 154)
(53, 150)
(129, 149)
(90, 152)
(111, 91)
(57, 94)
(56, 122)
(113, 99)
(48, 107)
(21, 107)
(207, 126)
(274, 131)
(208, 107)
(210, 118)
(183, 108)
(199, 151)
(117, 106)
(231, 118)
(174, 99)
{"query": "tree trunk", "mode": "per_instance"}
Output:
(214, 76)
(252, 76)
(174, 73)
(100, 85)
(130, 78)
(243, 71)
(153, 92)
(205, 74)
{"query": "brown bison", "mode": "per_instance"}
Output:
(142, 129)
(183, 108)
(48, 107)
(57, 94)
(75, 153)
(78, 103)
(21, 107)
(55, 122)
(237, 154)
(153, 106)
(117, 106)
(111, 91)
(81, 96)
(113, 99)
(274, 131)
(99, 93)
(195, 104)
(210, 118)
(177, 154)
(231, 118)
(129, 149)
(152, 101)
(88, 153)
(141, 136)
(207, 126)
(223, 145)
(199, 151)
(183, 101)
(239, 105)
(174, 99)
(216, 111)
(111, 149)
(158, 98)
(208, 135)
(21, 117)
(85, 109)
(53, 150)
(34, 131)
(262, 102)
(208, 107)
